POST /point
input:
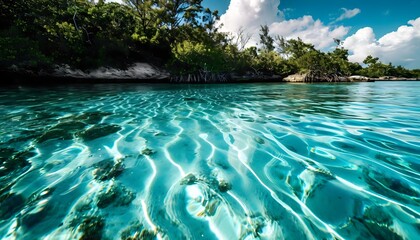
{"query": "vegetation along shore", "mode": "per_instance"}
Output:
(160, 41)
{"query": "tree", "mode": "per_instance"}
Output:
(147, 13)
(340, 64)
(240, 39)
(179, 33)
(267, 42)
(294, 48)
(369, 60)
(197, 56)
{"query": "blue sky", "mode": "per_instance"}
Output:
(386, 29)
(383, 16)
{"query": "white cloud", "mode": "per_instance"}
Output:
(309, 30)
(401, 47)
(251, 14)
(348, 13)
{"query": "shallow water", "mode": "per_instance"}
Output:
(268, 161)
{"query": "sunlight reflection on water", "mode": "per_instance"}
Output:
(269, 161)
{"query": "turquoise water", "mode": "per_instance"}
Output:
(251, 161)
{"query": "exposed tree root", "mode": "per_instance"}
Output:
(318, 76)
(201, 77)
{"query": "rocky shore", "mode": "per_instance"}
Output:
(147, 73)
(138, 72)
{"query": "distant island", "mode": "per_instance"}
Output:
(161, 41)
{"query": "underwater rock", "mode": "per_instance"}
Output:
(147, 151)
(98, 131)
(378, 215)
(116, 195)
(108, 169)
(59, 134)
(37, 208)
(189, 179)
(382, 232)
(12, 165)
(10, 204)
(92, 228)
(137, 232)
(377, 223)
(212, 182)
(11, 160)
(24, 136)
(224, 186)
(6, 153)
(83, 221)
(393, 160)
(392, 187)
(62, 131)
(259, 140)
(255, 225)
(190, 98)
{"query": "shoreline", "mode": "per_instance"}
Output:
(30, 78)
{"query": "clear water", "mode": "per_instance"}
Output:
(268, 161)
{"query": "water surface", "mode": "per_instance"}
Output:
(251, 161)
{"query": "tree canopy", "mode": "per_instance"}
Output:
(178, 34)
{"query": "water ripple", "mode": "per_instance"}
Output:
(250, 161)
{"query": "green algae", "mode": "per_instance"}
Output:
(92, 228)
(63, 130)
(137, 232)
(108, 169)
(115, 195)
(12, 164)
(189, 179)
(147, 152)
(224, 186)
(259, 140)
(98, 131)
(55, 134)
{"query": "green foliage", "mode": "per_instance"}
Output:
(148, 16)
(181, 34)
(294, 48)
(271, 63)
(415, 72)
(306, 58)
(339, 60)
(21, 52)
(240, 61)
(376, 68)
(197, 56)
(371, 60)
(267, 42)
